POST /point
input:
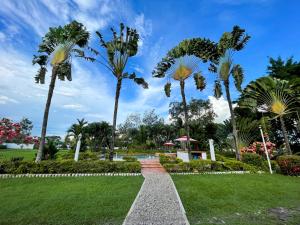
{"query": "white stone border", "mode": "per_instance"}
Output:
(180, 203)
(214, 172)
(68, 175)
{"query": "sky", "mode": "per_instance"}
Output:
(272, 25)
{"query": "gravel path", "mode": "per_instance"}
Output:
(157, 203)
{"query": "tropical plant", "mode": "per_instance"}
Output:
(228, 44)
(77, 129)
(57, 47)
(273, 96)
(182, 62)
(118, 51)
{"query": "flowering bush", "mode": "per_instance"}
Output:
(12, 132)
(289, 165)
(258, 147)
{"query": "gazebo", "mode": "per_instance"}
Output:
(195, 153)
(168, 145)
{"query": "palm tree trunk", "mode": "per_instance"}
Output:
(45, 118)
(118, 89)
(286, 140)
(233, 122)
(187, 127)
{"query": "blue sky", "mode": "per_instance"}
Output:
(272, 24)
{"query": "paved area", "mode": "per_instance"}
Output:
(157, 202)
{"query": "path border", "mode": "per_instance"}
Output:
(3, 176)
(180, 203)
(134, 202)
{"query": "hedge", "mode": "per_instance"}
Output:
(289, 164)
(208, 165)
(68, 166)
(259, 162)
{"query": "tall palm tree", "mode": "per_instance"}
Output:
(181, 69)
(274, 96)
(118, 51)
(225, 68)
(58, 46)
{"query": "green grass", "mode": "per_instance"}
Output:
(28, 154)
(81, 200)
(239, 199)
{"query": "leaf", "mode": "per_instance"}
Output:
(238, 75)
(199, 81)
(168, 89)
(218, 89)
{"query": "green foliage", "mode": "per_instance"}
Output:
(166, 159)
(59, 39)
(129, 159)
(289, 164)
(254, 159)
(68, 166)
(3, 146)
(50, 149)
(207, 166)
(168, 89)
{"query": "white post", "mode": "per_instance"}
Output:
(78, 147)
(212, 150)
(266, 151)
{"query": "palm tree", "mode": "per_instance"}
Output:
(181, 69)
(118, 50)
(57, 46)
(230, 42)
(274, 96)
(77, 129)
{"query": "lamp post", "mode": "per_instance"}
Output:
(266, 151)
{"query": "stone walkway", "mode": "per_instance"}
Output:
(158, 202)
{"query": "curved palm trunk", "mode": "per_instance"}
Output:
(286, 140)
(40, 152)
(118, 89)
(234, 130)
(187, 127)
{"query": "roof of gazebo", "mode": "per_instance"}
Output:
(184, 139)
(169, 144)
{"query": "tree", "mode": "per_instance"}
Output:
(98, 134)
(228, 44)
(181, 69)
(271, 95)
(26, 126)
(118, 51)
(76, 129)
(58, 46)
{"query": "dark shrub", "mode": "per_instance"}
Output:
(3, 147)
(163, 159)
(289, 164)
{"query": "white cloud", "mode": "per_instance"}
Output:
(221, 108)
(78, 107)
(4, 100)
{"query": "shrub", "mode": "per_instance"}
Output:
(3, 146)
(18, 158)
(235, 165)
(200, 165)
(255, 160)
(163, 159)
(129, 159)
(68, 166)
(289, 164)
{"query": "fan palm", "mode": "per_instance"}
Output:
(118, 51)
(271, 95)
(58, 46)
(225, 68)
(181, 69)
(77, 129)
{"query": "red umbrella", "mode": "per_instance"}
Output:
(169, 144)
(184, 139)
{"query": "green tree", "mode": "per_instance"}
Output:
(225, 68)
(58, 46)
(274, 96)
(118, 51)
(76, 129)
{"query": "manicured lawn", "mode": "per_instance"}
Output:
(28, 154)
(69, 200)
(240, 199)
